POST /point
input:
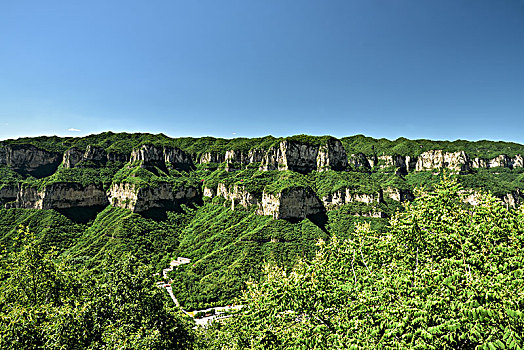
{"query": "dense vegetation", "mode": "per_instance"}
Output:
(438, 274)
(443, 276)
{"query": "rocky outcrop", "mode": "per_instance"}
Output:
(237, 194)
(8, 193)
(397, 194)
(359, 161)
(304, 158)
(141, 199)
(72, 157)
(28, 159)
(62, 195)
(402, 164)
(93, 156)
(512, 199)
(332, 155)
(438, 159)
(498, 161)
(151, 156)
(177, 159)
(292, 203)
(235, 160)
(290, 155)
(255, 155)
(345, 196)
(211, 157)
(117, 157)
(209, 192)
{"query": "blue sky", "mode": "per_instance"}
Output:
(445, 69)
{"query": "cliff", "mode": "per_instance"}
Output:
(345, 196)
(28, 159)
(304, 158)
(165, 196)
(151, 156)
(293, 203)
(60, 196)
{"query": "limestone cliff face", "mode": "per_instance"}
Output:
(290, 155)
(141, 199)
(359, 161)
(162, 157)
(235, 160)
(511, 200)
(403, 164)
(72, 157)
(398, 194)
(209, 192)
(304, 158)
(117, 157)
(238, 195)
(295, 203)
(499, 161)
(479, 163)
(177, 159)
(332, 155)
(437, 159)
(95, 155)
(345, 196)
(61, 196)
(211, 157)
(8, 193)
(255, 155)
(30, 159)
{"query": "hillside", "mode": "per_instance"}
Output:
(227, 204)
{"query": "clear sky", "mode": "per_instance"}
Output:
(437, 69)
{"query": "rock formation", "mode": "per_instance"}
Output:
(8, 193)
(292, 203)
(332, 155)
(61, 196)
(438, 159)
(151, 156)
(141, 199)
(345, 196)
(28, 159)
(304, 158)
(397, 194)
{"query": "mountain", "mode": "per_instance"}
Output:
(227, 204)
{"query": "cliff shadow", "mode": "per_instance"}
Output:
(320, 220)
(160, 213)
(81, 215)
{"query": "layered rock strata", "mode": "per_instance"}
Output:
(293, 203)
(141, 199)
(345, 196)
(304, 158)
(8, 193)
(28, 159)
(162, 157)
(61, 196)
(438, 159)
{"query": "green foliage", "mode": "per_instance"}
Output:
(404, 147)
(443, 277)
(49, 305)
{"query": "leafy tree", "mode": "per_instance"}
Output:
(45, 304)
(445, 276)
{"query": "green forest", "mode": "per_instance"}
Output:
(428, 259)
